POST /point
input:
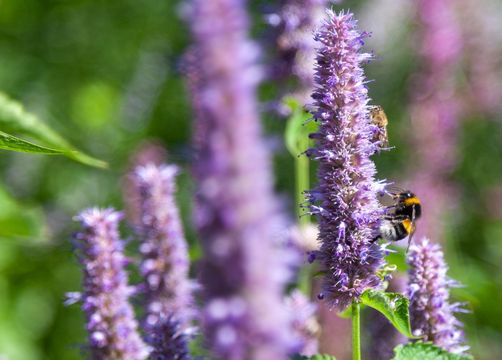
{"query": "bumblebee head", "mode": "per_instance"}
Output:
(411, 200)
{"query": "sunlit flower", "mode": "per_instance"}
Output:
(432, 314)
(110, 318)
(345, 200)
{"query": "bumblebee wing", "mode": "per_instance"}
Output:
(386, 199)
(394, 190)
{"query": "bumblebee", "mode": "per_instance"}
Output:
(400, 216)
(378, 118)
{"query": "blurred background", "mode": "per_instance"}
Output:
(106, 74)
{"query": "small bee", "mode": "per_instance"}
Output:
(379, 119)
(399, 220)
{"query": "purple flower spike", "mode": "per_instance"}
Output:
(110, 318)
(245, 266)
(165, 264)
(432, 315)
(297, 21)
(345, 200)
(305, 322)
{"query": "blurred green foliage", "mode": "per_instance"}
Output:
(105, 74)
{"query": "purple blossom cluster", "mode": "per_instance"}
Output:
(296, 22)
(304, 322)
(431, 313)
(345, 199)
(245, 265)
(165, 264)
(110, 318)
(435, 112)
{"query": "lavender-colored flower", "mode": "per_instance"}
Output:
(110, 318)
(304, 322)
(296, 22)
(245, 265)
(345, 199)
(435, 112)
(432, 315)
(165, 264)
(169, 341)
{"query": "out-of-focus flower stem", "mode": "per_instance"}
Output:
(302, 183)
(302, 169)
(356, 331)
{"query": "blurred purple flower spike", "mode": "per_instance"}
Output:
(296, 21)
(432, 315)
(436, 111)
(245, 266)
(110, 318)
(165, 263)
(345, 200)
(305, 322)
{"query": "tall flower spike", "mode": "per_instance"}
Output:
(345, 200)
(436, 112)
(297, 21)
(165, 264)
(432, 315)
(305, 322)
(245, 266)
(110, 318)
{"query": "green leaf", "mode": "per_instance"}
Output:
(393, 306)
(20, 221)
(421, 350)
(298, 128)
(9, 142)
(314, 357)
(15, 119)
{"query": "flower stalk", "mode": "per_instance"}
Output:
(431, 313)
(245, 266)
(345, 199)
(110, 318)
(165, 263)
(356, 331)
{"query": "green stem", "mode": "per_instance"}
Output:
(356, 331)
(302, 182)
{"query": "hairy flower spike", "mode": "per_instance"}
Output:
(297, 21)
(110, 318)
(165, 264)
(245, 266)
(345, 200)
(305, 322)
(432, 315)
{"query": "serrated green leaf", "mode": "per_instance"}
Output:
(421, 351)
(14, 119)
(297, 128)
(9, 142)
(393, 306)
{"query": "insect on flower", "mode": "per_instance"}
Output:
(400, 216)
(378, 118)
